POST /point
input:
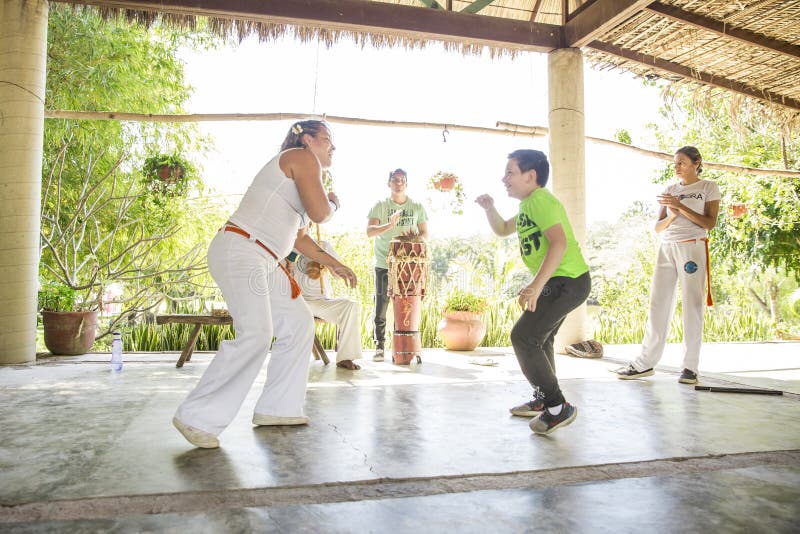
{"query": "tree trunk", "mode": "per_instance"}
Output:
(761, 302)
(773, 302)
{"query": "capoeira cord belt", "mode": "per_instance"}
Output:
(230, 227)
(709, 300)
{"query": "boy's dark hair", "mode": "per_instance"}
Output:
(532, 159)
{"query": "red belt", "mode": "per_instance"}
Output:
(709, 300)
(236, 230)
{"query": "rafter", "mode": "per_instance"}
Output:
(720, 28)
(695, 76)
(476, 6)
(431, 3)
(535, 11)
(359, 16)
(597, 18)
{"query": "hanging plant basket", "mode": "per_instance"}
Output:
(738, 210)
(167, 174)
(444, 181)
(449, 184)
(170, 174)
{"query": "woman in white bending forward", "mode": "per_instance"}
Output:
(245, 260)
(689, 210)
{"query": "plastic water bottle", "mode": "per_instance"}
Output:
(116, 352)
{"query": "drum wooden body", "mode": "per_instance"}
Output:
(408, 266)
(407, 312)
(406, 346)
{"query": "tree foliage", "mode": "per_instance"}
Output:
(92, 170)
(767, 234)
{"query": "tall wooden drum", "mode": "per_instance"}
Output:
(408, 278)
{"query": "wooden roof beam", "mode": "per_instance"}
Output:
(360, 16)
(596, 18)
(696, 76)
(720, 28)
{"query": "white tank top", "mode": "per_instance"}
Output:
(271, 210)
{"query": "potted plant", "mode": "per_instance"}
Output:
(69, 327)
(107, 236)
(167, 174)
(462, 327)
(448, 183)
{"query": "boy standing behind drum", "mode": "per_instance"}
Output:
(397, 215)
(560, 284)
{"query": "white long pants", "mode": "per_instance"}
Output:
(259, 300)
(684, 263)
(344, 314)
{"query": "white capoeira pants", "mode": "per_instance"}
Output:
(676, 262)
(259, 300)
(344, 313)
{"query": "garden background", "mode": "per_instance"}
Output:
(115, 237)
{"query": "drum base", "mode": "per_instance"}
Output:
(405, 358)
(406, 346)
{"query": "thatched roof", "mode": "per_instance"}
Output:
(742, 47)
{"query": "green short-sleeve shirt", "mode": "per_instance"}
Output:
(413, 213)
(537, 212)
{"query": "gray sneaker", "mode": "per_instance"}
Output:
(547, 423)
(688, 377)
(629, 373)
(528, 409)
(378, 355)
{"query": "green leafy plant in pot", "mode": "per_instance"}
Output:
(462, 327)
(69, 327)
(167, 174)
(107, 235)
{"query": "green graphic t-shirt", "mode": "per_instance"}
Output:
(537, 212)
(413, 213)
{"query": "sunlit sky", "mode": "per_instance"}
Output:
(429, 85)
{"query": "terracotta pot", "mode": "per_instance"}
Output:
(69, 333)
(445, 184)
(407, 312)
(405, 347)
(170, 174)
(461, 330)
(738, 210)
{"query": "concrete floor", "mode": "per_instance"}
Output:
(419, 448)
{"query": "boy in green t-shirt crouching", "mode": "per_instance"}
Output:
(560, 284)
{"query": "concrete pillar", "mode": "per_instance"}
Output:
(23, 50)
(568, 163)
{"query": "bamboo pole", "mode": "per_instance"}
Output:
(521, 128)
(502, 128)
(217, 117)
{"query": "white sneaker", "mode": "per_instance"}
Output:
(378, 355)
(276, 420)
(195, 436)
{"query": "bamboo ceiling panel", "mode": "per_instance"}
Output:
(749, 47)
(709, 56)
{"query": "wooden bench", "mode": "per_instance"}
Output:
(199, 320)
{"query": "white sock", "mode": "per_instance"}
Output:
(555, 410)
